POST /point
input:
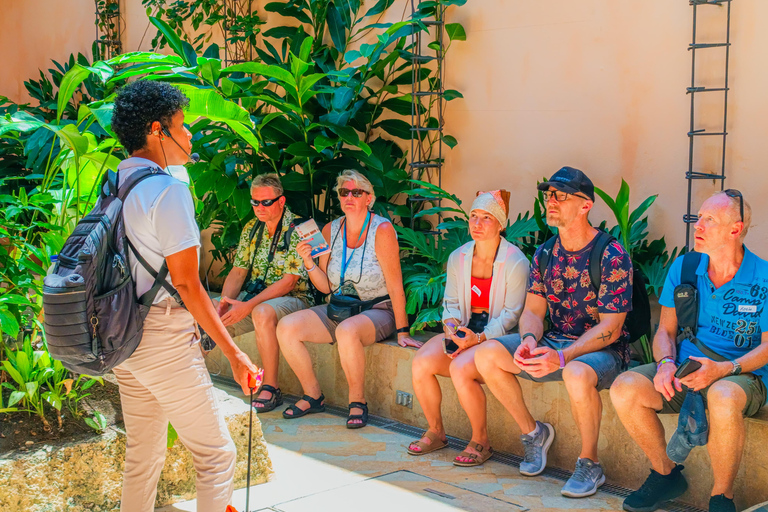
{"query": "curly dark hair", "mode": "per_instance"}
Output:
(140, 103)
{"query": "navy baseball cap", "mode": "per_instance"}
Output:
(571, 181)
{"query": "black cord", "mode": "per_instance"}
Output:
(362, 258)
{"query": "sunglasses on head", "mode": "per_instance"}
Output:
(265, 202)
(732, 192)
(356, 192)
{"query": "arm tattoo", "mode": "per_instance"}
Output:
(605, 337)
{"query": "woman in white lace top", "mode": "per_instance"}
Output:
(364, 262)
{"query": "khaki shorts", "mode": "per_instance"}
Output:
(752, 385)
(381, 315)
(282, 305)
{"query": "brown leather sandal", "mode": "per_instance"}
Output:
(435, 444)
(476, 459)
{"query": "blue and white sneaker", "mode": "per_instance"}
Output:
(536, 448)
(586, 478)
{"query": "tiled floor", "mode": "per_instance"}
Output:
(322, 466)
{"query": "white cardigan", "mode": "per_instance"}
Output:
(507, 296)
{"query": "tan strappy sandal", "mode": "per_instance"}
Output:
(435, 444)
(477, 460)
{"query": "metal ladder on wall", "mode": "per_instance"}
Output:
(426, 137)
(693, 132)
(236, 52)
(108, 29)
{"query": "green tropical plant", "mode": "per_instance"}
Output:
(323, 100)
(631, 229)
(29, 369)
(97, 422)
(66, 389)
(194, 21)
(650, 257)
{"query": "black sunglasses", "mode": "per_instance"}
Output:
(732, 192)
(356, 192)
(559, 195)
(265, 202)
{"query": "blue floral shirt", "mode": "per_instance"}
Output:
(573, 303)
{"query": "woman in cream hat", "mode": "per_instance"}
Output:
(484, 297)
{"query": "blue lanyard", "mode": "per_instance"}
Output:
(344, 260)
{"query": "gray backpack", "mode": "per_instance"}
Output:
(93, 319)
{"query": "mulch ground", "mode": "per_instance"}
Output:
(21, 432)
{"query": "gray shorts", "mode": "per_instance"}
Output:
(381, 315)
(606, 363)
(283, 306)
(753, 386)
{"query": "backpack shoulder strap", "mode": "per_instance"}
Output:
(596, 257)
(691, 262)
(147, 298)
(546, 254)
(134, 179)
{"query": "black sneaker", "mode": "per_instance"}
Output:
(657, 490)
(720, 503)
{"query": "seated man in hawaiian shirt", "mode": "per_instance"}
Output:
(268, 281)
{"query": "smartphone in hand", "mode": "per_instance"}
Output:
(449, 347)
(688, 367)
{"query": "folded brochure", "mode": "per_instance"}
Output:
(310, 233)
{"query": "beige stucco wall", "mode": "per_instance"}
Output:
(600, 85)
(34, 32)
(597, 84)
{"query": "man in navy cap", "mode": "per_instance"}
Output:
(728, 341)
(586, 345)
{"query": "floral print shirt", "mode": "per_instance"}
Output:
(285, 261)
(573, 303)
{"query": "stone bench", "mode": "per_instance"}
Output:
(388, 369)
(87, 475)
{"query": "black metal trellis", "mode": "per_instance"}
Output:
(108, 29)
(236, 51)
(424, 164)
(693, 132)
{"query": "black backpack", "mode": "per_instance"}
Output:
(638, 320)
(686, 296)
(93, 319)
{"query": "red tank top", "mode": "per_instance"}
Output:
(480, 289)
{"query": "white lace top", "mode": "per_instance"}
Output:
(368, 283)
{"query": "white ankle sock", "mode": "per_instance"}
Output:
(535, 432)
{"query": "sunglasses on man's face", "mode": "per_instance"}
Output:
(732, 192)
(356, 192)
(558, 195)
(265, 202)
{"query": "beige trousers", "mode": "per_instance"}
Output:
(164, 380)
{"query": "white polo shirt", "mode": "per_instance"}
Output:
(159, 217)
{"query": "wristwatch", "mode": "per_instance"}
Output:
(736, 368)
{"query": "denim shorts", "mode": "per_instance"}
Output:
(606, 363)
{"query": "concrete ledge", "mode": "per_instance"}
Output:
(388, 369)
(87, 475)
